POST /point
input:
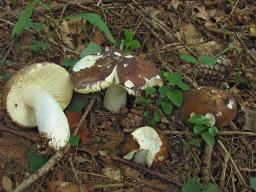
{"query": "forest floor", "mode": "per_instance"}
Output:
(165, 29)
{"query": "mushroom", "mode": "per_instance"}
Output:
(118, 73)
(36, 96)
(145, 146)
(205, 100)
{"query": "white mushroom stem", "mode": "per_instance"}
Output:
(50, 118)
(115, 98)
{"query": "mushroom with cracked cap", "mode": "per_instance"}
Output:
(220, 103)
(118, 73)
(145, 146)
(36, 96)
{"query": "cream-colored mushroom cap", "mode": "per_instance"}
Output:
(53, 78)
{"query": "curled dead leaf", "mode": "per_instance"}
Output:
(7, 183)
(62, 186)
(65, 34)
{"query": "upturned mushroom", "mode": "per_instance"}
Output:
(145, 146)
(118, 73)
(36, 96)
(205, 100)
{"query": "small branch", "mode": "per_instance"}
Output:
(223, 172)
(207, 163)
(51, 162)
(74, 171)
(240, 177)
(154, 173)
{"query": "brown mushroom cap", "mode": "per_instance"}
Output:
(131, 72)
(131, 144)
(204, 100)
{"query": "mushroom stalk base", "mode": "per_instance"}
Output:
(51, 120)
(115, 98)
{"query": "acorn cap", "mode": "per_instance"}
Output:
(204, 100)
(145, 145)
(98, 71)
(53, 78)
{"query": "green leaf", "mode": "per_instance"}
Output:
(35, 161)
(175, 97)
(78, 102)
(145, 113)
(156, 117)
(164, 90)
(210, 187)
(96, 20)
(74, 140)
(128, 34)
(195, 141)
(183, 86)
(44, 5)
(90, 49)
(209, 139)
(253, 183)
(213, 130)
(150, 91)
(37, 46)
(36, 26)
(198, 129)
(143, 101)
(166, 106)
(69, 62)
(199, 119)
(133, 44)
(207, 60)
(173, 77)
(188, 58)
(23, 20)
(5, 76)
(192, 185)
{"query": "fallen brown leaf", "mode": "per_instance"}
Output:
(62, 186)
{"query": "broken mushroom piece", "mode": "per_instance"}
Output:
(36, 96)
(118, 73)
(205, 100)
(145, 146)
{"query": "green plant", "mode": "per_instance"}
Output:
(74, 140)
(253, 183)
(202, 59)
(168, 97)
(203, 125)
(128, 44)
(194, 185)
(38, 46)
(35, 161)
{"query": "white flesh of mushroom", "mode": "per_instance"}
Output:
(150, 144)
(50, 118)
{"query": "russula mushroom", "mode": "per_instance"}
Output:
(145, 146)
(118, 73)
(36, 96)
(204, 100)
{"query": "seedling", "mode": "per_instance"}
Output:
(169, 96)
(203, 125)
(128, 44)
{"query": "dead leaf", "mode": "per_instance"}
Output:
(113, 173)
(65, 34)
(73, 118)
(14, 147)
(61, 186)
(83, 133)
(253, 29)
(191, 34)
(98, 37)
(7, 183)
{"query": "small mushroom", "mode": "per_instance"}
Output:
(36, 96)
(205, 100)
(145, 146)
(118, 73)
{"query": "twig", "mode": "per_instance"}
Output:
(247, 169)
(19, 134)
(207, 163)
(154, 173)
(74, 171)
(51, 162)
(223, 172)
(240, 177)
(111, 185)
